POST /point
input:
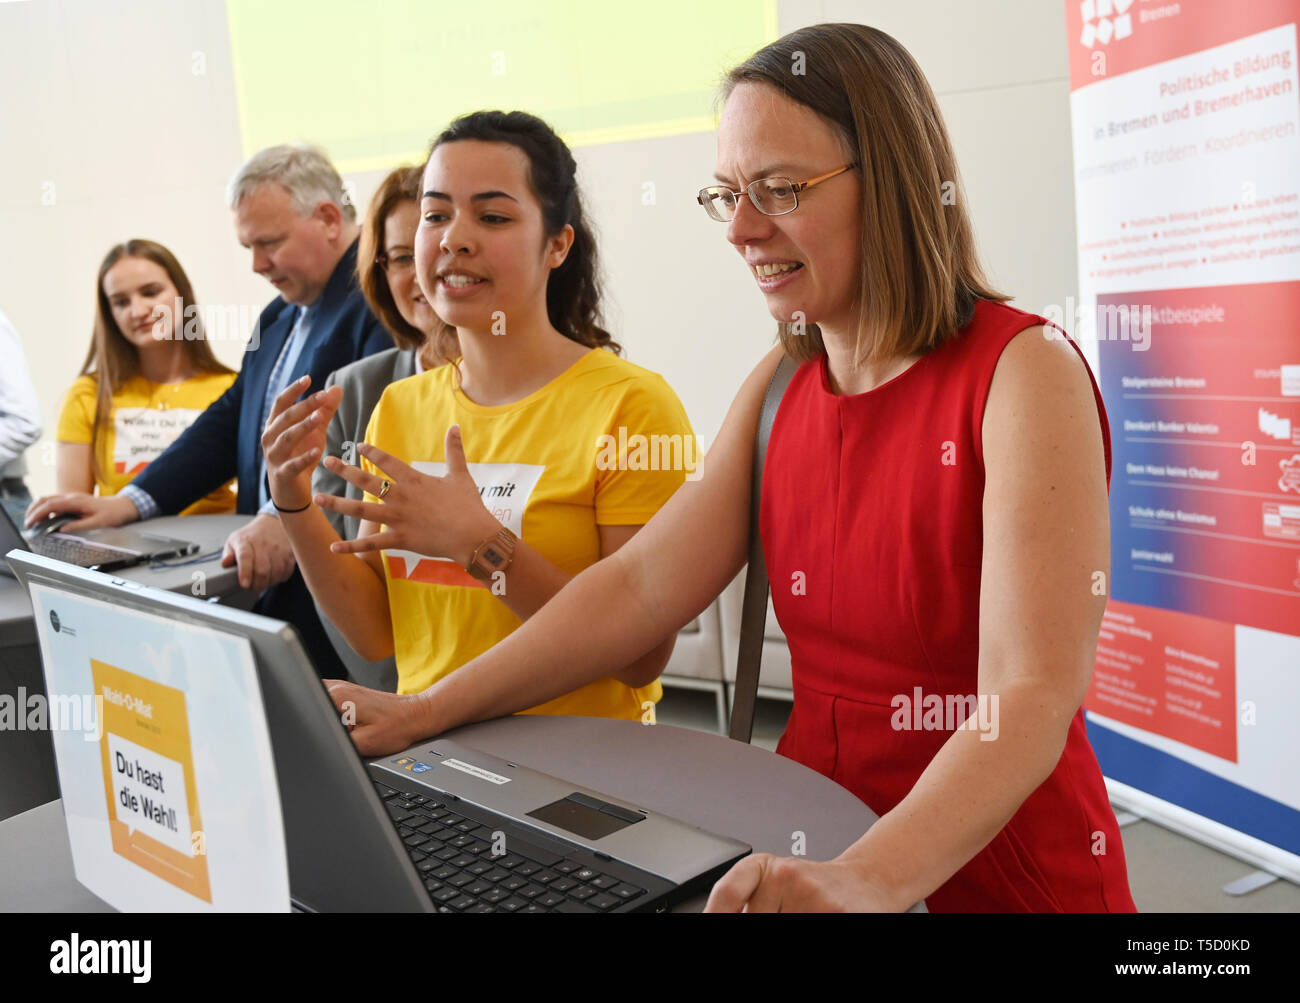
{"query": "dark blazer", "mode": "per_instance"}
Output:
(226, 440)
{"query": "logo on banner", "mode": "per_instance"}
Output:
(1274, 425)
(1112, 21)
(1290, 479)
(505, 489)
(1282, 521)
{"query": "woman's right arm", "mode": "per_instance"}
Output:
(349, 588)
(609, 615)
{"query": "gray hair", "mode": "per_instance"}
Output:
(305, 170)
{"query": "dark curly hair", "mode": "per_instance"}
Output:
(573, 289)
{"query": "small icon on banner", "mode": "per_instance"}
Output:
(1274, 425)
(1290, 479)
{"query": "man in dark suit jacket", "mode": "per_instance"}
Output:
(291, 212)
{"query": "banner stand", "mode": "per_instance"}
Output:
(1227, 841)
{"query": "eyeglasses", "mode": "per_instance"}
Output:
(770, 196)
(395, 264)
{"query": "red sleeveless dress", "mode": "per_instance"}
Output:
(873, 545)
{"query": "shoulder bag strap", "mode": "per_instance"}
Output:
(754, 609)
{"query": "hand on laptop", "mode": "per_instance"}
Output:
(763, 882)
(435, 516)
(380, 722)
(94, 511)
(261, 549)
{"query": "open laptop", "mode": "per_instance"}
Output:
(438, 827)
(103, 550)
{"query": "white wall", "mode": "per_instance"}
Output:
(102, 103)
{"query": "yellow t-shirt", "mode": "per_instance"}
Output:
(549, 468)
(146, 418)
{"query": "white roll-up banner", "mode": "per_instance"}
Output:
(1186, 125)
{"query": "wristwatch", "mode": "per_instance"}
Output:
(493, 554)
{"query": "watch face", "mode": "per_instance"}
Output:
(492, 557)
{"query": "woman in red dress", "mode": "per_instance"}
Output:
(933, 517)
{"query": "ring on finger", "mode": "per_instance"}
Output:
(385, 488)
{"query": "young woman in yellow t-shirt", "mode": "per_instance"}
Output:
(149, 374)
(500, 476)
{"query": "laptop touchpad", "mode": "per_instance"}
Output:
(585, 816)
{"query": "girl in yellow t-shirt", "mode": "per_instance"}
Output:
(148, 375)
(499, 476)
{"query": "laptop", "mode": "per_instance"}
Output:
(106, 550)
(438, 827)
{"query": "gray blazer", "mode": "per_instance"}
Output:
(363, 383)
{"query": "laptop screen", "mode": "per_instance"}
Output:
(164, 758)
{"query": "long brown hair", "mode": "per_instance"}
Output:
(113, 360)
(401, 185)
(573, 291)
(920, 272)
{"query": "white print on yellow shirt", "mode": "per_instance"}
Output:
(143, 433)
(505, 489)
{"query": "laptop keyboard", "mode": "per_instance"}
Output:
(454, 857)
(74, 551)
